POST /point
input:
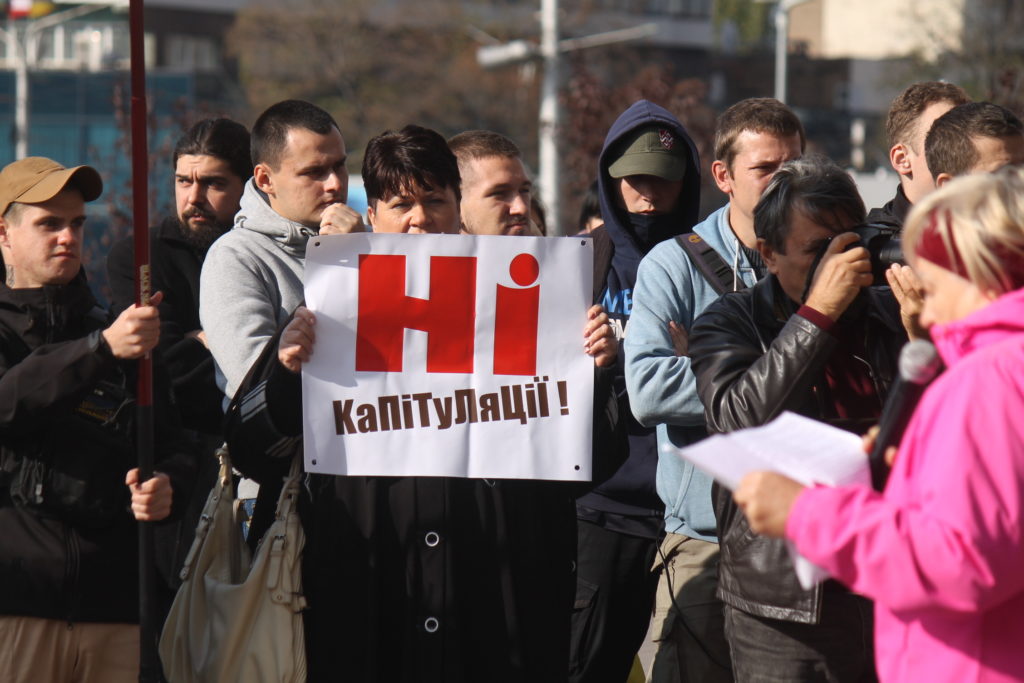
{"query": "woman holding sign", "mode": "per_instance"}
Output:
(419, 578)
(941, 550)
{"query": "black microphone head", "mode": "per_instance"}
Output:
(919, 362)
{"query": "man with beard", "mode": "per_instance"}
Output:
(211, 165)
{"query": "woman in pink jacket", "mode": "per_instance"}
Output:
(941, 551)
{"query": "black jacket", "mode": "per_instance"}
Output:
(490, 560)
(175, 266)
(894, 212)
(755, 358)
(68, 542)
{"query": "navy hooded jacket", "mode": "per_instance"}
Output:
(628, 501)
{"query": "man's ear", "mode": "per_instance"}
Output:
(262, 178)
(371, 215)
(899, 157)
(942, 179)
(767, 255)
(720, 172)
(5, 241)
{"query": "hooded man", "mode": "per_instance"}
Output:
(649, 191)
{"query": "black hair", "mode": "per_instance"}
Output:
(222, 138)
(414, 155)
(949, 146)
(590, 208)
(270, 131)
(814, 185)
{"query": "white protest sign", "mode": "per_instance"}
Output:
(449, 355)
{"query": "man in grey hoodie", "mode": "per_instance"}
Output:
(252, 276)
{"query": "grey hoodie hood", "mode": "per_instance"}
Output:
(255, 214)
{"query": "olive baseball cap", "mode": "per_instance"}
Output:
(651, 150)
(33, 180)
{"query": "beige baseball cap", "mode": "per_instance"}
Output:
(33, 180)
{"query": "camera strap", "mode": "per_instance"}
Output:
(711, 265)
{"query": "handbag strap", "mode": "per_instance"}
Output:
(223, 487)
(290, 489)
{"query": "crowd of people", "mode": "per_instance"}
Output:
(772, 303)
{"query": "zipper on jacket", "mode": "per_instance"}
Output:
(71, 572)
(51, 317)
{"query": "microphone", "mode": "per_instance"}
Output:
(919, 364)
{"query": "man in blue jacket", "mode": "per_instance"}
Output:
(752, 139)
(649, 189)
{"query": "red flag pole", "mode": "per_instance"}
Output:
(149, 660)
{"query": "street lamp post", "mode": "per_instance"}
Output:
(549, 112)
(550, 51)
(24, 56)
(781, 20)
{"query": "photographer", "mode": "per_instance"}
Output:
(940, 550)
(819, 341)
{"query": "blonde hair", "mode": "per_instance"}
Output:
(980, 220)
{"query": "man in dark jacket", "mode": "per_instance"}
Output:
(910, 118)
(211, 165)
(977, 137)
(818, 340)
(649, 191)
(68, 546)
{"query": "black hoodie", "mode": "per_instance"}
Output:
(628, 500)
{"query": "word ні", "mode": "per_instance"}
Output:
(448, 316)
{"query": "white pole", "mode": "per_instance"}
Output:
(782, 44)
(19, 53)
(781, 40)
(23, 45)
(549, 115)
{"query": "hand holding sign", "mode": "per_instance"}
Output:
(296, 344)
(601, 344)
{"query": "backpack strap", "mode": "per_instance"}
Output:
(603, 249)
(708, 261)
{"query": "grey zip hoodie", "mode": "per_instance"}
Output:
(251, 282)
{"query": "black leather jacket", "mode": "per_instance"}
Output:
(754, 358)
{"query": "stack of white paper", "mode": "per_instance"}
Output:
(803, 449)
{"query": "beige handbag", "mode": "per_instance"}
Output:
(233, 620)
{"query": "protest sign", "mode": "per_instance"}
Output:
(449, 355)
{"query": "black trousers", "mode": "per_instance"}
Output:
(838, 649)
(615, 588)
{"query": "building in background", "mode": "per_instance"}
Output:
(77, 58)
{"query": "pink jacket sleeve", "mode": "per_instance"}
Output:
(947, 531)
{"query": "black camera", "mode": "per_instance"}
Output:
(883, 245)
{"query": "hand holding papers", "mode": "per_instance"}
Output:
(802, 449)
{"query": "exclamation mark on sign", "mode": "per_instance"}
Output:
(563, 398)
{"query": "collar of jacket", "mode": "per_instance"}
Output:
(771, 308)
(41, 315)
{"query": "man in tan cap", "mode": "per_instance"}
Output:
(68, 546)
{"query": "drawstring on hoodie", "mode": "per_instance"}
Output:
(736, 264)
